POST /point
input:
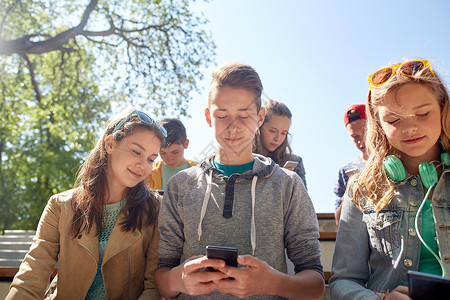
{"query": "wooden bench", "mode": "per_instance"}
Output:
(327, 238)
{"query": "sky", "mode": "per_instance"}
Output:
(315, 56)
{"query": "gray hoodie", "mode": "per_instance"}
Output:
(261, 212)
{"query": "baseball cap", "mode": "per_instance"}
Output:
(354, 112)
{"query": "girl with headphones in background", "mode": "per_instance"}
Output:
(396, 212)
(271, 139)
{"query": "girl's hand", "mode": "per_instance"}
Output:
(399, 293)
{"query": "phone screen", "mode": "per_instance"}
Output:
(290, 164)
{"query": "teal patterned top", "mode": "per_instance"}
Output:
(110, 215)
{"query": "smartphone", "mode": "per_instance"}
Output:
(228, 254)
(290, 164)
(351, 172)
(424, 286)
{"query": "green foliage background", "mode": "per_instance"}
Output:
(146, 54)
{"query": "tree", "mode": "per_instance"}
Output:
(44, 140)
(58, 82)
(152, 50)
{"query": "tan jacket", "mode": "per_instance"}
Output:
(128, 266)
(154, 180)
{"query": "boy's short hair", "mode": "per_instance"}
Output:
(176, 132)
(239, 76)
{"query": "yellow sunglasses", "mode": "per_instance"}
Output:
(407, 69)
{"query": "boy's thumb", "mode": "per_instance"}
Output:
(246, 260)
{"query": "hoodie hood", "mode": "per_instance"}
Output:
(262, 167)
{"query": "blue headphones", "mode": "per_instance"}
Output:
(428, 174)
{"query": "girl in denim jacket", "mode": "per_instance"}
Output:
(379, 237)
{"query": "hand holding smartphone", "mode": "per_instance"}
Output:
(228, 254)
(290, 164)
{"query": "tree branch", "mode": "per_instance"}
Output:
(25, 45)
(111, 30)
(33, 78)
(87, 13)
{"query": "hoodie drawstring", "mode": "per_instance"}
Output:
(253, 226)
(205, 205)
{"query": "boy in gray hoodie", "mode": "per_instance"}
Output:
(242, 200)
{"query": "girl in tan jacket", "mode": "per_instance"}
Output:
(102, 234)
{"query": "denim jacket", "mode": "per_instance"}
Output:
(374, 251)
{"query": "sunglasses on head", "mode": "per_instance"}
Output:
(407, 69)
(144, 118)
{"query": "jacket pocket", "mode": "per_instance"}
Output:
(384, 230)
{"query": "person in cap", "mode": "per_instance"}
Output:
(355, 122)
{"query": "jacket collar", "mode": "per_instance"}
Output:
(89, 242)
(117, 242)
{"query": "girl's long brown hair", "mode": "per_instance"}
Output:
(283, 153)
(372, 186)
(90, 186)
